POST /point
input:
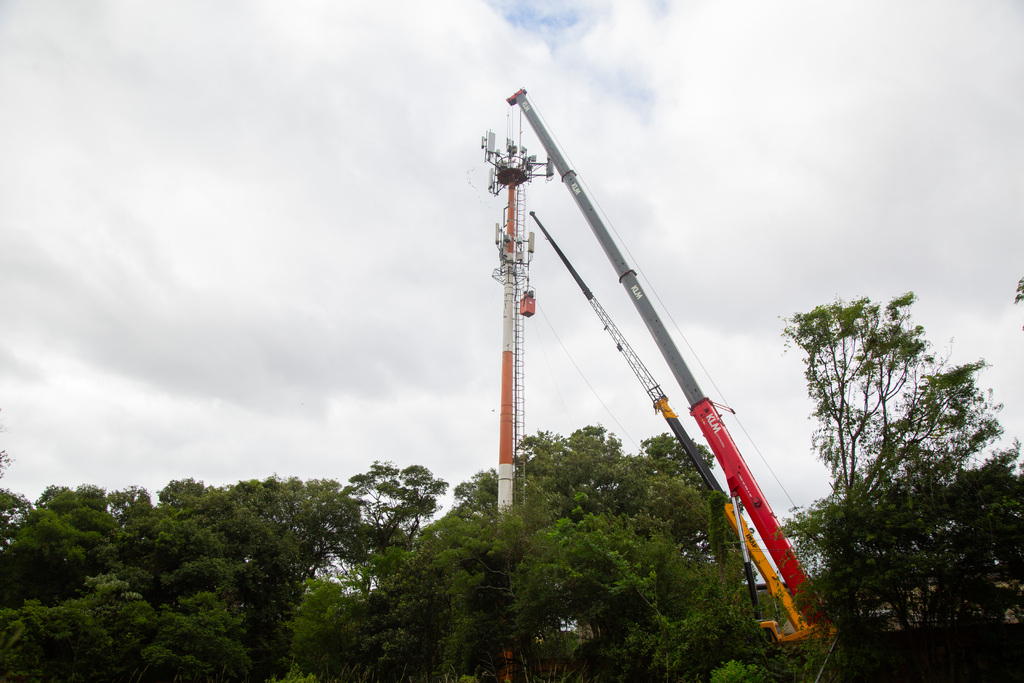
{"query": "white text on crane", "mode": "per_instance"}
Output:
(637, 292)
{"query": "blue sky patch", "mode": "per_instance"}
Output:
(539, 17)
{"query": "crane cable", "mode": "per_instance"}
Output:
(699, 512)
(547, 361)
(587, 381)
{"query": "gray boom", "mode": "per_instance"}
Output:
(627, 276)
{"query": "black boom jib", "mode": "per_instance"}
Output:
(653, 389)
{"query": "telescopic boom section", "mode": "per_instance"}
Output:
(738, 477)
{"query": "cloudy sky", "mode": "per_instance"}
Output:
(243, 238)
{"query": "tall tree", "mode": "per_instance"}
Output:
(318, 514)
(586, 471)
(14, 508)
(919, 540)
(885, 403)
(643, 611)
(395, 503)
(63, 540)
(479, 495)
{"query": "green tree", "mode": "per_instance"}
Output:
(318, 514)
(919, 541)
(407, 615)
(217, 544)
(587, 473)
(199, 639)
(931, 559)
(885, 403)
(98, 637)
(328, 627)
(590, 462)
(478, 559)
(666, 456)
(641, 609)
(14, 510)
(479, 495)
(13, 507)
(63, 539)
(395, 503)
(191, 553)
(134, 544)
(93, 564)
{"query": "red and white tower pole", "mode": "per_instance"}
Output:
(507, 420)
(512, 168)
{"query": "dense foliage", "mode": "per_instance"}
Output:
(605, 570)
(109, 586)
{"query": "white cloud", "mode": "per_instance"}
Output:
(244, 238)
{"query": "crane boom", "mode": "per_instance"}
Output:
(651, 386)
(739, 479)
(752, 552)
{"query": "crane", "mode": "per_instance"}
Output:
(751, 550)
(739, 479)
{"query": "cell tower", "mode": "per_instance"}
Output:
(512, 169)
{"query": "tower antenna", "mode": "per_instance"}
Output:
(510, 170)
